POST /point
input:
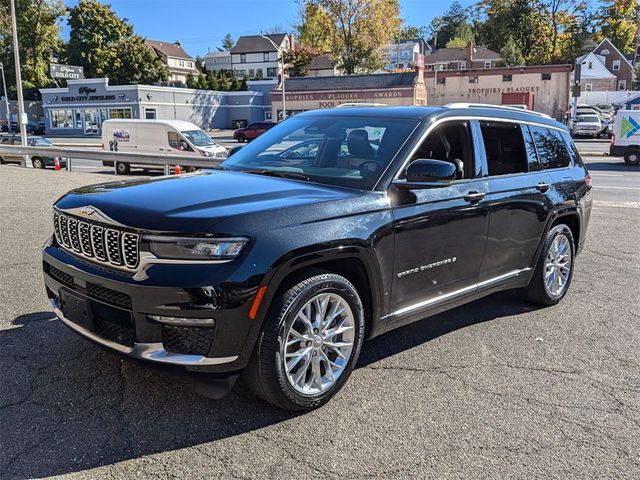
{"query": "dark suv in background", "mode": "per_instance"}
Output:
(279, 265)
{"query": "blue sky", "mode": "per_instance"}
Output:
(200, 25)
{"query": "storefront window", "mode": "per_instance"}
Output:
(62, 118)
(120, 113)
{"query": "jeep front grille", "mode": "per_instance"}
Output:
(101, 243)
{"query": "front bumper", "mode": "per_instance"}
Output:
(120, 310)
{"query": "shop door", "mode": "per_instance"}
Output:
(91, 121)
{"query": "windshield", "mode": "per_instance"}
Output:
(40, 142)
(198, 138)
(588, 118)
(338, 150)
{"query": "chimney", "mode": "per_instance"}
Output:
(292, 41)
(469, 49)
(177, 42)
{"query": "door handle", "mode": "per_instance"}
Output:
(543, 186)
(474, 197)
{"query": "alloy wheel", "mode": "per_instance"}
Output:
(318, 344)
(557, 268)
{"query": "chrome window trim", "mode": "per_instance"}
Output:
(468, 118)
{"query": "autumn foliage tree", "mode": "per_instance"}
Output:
(618, 21)
(352, 31)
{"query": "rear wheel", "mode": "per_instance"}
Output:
(241, 138)
(37, 162)
(310, 343)
(553, 273)
(632, 157)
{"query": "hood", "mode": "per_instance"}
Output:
(194, 203)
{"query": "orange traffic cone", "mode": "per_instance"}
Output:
(56, 165)
(178, 170)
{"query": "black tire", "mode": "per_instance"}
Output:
(37, 162)
(123, 168)
(241, 138)
(265, 374)
(632, 157)
(537, 291)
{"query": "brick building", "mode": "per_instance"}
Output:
(605, 68)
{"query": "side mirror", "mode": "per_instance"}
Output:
(235, 149)
(426, 173)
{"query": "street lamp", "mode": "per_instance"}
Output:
(6, 99)
(284, 94)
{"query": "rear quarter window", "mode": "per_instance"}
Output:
(552, 149)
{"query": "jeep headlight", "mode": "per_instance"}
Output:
(192, 248)
(207, 153)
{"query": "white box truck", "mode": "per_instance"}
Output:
(173, 137)
(625, 141)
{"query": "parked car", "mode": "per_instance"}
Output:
(11, 127)
(254, 130)
(586, 126)
(625, 141)
(175, 137)
(38, 161)
(278, 267)
(606, 124)
(35, 128)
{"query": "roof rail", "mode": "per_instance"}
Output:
(364, 104)
(497, 107)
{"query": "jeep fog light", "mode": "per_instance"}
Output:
(192, 322)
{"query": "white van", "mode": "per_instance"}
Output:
(175, 137)
(625, 141)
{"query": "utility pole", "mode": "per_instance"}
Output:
(284, 93)
(6, 99)
(22, 117)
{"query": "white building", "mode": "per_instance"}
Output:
(256, 57)
(179, 62)
(217, 61)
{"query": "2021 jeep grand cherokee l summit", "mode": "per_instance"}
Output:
(333, 227)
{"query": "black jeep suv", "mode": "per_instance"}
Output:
(333, 227)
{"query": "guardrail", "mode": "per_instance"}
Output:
(158, 159)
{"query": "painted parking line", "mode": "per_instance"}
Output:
(617, 188)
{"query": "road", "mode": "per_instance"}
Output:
(495, 389)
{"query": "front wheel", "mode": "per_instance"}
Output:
(553, 273)
(37, 162)
(240, 138)
(310, 343)
(122, 168)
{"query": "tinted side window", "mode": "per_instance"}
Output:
(573, 151)
(530, 147)
(551, 148)
(504, 146)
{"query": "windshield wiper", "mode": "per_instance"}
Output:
(277, 173)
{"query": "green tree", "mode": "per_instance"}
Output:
(355, 32)
(191, 81)
(512, 54)
(202, 82)
(410, 32)
(38, 25)
(234, 85)
(457, 42)
(136, 63)
(453, 23)
(212, 81)
(243, 85)
(618, 21)
(227, 43)
(94, 36)
(223, 82)
(299, 60)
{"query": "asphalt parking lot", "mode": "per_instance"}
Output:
(494, 389)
